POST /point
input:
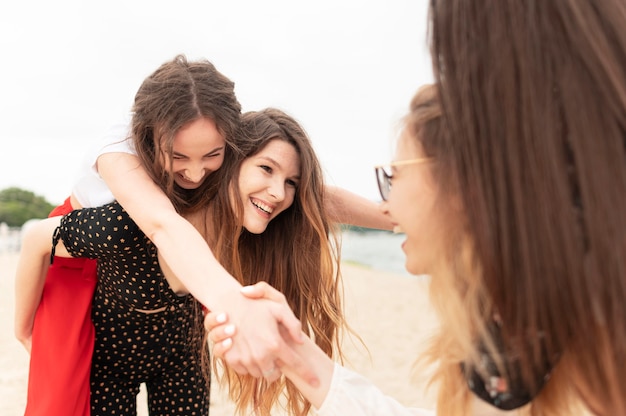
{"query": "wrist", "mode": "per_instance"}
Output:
(225, 298)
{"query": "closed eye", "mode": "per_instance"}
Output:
(215, 153)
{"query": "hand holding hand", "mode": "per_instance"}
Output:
(248, 347)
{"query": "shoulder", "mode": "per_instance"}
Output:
(111, 218)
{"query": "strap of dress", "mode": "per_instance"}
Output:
(55, 239)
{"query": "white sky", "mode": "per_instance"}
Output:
(346, 69)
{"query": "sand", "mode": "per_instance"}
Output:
(390, 313)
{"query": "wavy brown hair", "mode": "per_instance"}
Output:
(298, 254)
(176, 94)
(534, 93)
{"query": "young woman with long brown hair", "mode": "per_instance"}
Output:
(270, 200)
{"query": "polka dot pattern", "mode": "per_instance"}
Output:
(131, 346)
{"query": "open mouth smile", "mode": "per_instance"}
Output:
(261, 206)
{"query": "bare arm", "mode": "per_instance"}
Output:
(30, 275)
(189, 257)
(346, 207)
(311, 355)
(179, 243)
(339, 392)
(324, 366)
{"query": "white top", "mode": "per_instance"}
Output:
(352, 394)
(90, 190)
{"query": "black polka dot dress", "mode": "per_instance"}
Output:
(158, 348)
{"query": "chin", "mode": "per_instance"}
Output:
(187, 186)
(255, 228)
(413, 268)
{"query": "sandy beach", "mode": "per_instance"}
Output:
(390, 313)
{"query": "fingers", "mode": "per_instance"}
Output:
(223, 335)
(222, 347)
(235, 365)
(255, 291)
(219, 329)
(291, 324)
(263, 290)
(213, 319)
(254, 356)
(256, 359)
(273, 374)
(256, 342)
(220, 332)
(285, 316)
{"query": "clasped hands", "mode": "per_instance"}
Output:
(261, 360)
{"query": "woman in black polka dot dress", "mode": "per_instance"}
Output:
(145, 332)
(149, 329)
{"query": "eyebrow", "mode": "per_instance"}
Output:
(217, 149)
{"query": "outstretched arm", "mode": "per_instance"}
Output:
(346, 207)
(340, 391)
(189, 257)
(221, 332)
(179, 243)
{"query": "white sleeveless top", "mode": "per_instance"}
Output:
(90, 190)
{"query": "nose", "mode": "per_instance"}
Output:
(195, 173)
(277, 189)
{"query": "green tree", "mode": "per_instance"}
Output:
(18, 206)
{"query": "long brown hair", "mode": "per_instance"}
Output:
(534, 93)
(298, 253)
(176, 94)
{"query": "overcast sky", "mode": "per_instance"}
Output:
(346, 69)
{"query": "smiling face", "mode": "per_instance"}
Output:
(198, 150)
(267, 183)
(412, 207)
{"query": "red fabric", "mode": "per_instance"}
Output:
(62, 209)
(63, 338)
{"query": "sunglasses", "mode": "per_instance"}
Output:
(511, 391)
(384, 175)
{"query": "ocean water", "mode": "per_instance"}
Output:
(376, 249)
